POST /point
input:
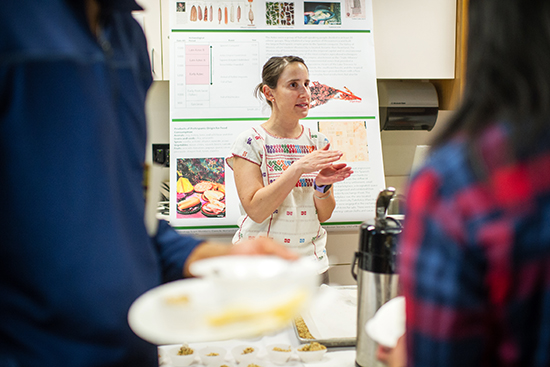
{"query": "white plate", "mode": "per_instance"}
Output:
(198, 310)
(388, 323)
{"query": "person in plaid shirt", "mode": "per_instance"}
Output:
(475, 251)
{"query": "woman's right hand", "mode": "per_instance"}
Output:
(318, 160)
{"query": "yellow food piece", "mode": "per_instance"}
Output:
(280, 314)
(312, 347)
(185, 351)
(303, 330)
(277, 349)
(183, 299)
(189, 203)
(184, 186)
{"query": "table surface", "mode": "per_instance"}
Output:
(335, 357)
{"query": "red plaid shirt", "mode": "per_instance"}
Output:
(475, 263)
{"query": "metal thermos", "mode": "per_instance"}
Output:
(374, 269)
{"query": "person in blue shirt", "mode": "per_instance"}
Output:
(75, 252)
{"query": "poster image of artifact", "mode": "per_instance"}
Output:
(279, 13)
(355, 9)
(321, 94)
(217, 14)
(349, 137)
(317, 13)
(200, 188)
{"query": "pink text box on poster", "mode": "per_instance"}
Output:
(191, 60)
(197, 64)
(197, 75)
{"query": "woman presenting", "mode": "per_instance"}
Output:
(284, 171)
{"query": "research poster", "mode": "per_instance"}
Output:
(217, 50)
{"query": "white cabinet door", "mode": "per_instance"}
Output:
(414, 39)
(150, 20)
(165, 28)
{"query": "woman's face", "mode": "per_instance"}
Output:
(292, 96)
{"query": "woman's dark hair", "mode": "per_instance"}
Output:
(507, 70)
(272, 71)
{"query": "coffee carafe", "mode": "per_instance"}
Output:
(374, 269)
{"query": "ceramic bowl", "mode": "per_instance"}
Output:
(309, 356)
(178, 360)
(279, 353)
(245, 354)
(212, 356)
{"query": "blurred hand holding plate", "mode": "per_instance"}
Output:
(239, 297)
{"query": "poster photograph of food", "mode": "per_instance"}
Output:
(200, 187)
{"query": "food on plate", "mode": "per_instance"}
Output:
(277, 349)
(204, 186)
(185, 351)
(253, 365)
(248, 350)
(212, 195)
(184, 186)
(213, 208)
(277, 315)
(188, 203)
(220, 187)
(213, 354)
(302, 328)
(181, 299)
(312, 347)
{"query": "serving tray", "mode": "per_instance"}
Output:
(328, 342)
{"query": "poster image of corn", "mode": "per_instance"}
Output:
(316, 13)
(322, 93)
(200, 188)
(279, 13)
(216, 14)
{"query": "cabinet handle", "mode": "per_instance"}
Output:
(153, 61)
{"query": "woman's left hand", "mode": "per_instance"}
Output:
(335, 173)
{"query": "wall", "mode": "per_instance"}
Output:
(397, 149)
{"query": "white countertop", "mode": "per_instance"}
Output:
(335, 357)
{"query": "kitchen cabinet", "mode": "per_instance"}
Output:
(165, 30)
(151, 21)
(414, 39)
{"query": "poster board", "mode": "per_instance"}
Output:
(217, 52)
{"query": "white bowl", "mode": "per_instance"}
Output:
(310, 355)
(279, 356)
(180, 360)
(212, 356)
(242, 357)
